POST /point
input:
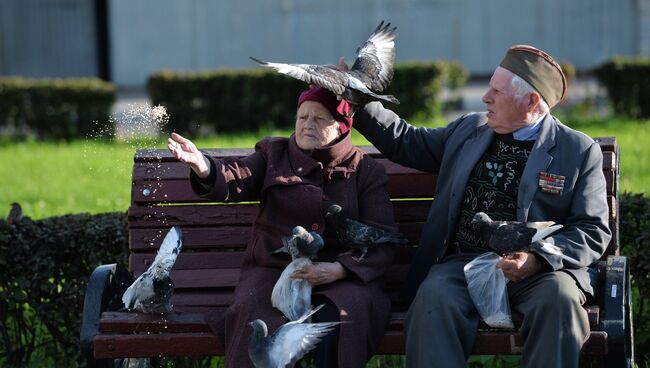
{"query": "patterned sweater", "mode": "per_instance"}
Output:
(492, 188)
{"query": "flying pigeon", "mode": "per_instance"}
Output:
(152, 291)
(371, 72)
(358, 235)
(513, 236)
(293, 296)
(301, 243)
(288, 344)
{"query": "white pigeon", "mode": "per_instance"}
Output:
(371, 72)
(292, 296)
(288, 344)
(152, 291)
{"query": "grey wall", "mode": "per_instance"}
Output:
(200, 34)
(47, 38)
(58, 37)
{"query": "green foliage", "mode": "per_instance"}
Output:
(628, 83)
(54, 108)
(635, 243)
(46, 265)
(250, 99)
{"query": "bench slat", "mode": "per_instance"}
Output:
(147, 345)
(607, 144)
(176, 170)
(207, 344)
(236, 214)
(180, 191)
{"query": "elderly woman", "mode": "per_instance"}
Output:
(296, 179)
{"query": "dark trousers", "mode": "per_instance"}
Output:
(325, 355)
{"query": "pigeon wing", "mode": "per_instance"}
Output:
(293, 340)
(322, 76)
(375, 58)
(169, 249)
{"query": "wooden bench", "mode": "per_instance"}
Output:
(215, 235)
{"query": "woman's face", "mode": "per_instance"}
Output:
(315, 126)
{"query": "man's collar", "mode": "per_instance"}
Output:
(529, 132)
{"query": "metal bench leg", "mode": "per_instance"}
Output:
(105, 288)
(617, 320)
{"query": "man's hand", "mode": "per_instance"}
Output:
(519, 266)
(185, 151)
(321, 273)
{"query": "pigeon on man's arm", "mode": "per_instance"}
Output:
(514, 236)
(151, 292)
(288, 344)
(371, 72)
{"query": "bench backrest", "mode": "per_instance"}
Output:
(216, 234)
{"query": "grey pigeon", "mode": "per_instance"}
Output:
(151, 292)
(301, 243)
(371, 72)
(506, 237)
(288, 344)
(358, 235)
(293, 296)
(15, 214)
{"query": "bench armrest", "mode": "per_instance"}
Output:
(105, 288)
(616, 320)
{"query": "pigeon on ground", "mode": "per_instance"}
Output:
(288, 344)
(371, 72)
(506, 237)
(358, 235)
(152, 291)
(301, 243)
(15, 214)
(293, 296)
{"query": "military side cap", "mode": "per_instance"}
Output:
(538, 69)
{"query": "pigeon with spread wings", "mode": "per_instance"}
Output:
(152, 291)
(288, 344)
(371, 72)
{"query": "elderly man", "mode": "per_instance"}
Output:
(515, 162)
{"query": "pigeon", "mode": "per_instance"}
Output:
(506, 237)
(358, 235)
(15, 214)
(152, 291)
(301, 243)
(288, 344)
(371, 72)
(293, 296)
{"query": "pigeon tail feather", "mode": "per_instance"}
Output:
(543, 233)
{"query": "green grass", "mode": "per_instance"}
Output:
(55, 178)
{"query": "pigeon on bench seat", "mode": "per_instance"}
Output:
(506, 237)
(293, 296)
(288, 344)
(152, 291)
(358, 235)
(371, 72)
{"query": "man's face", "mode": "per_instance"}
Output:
(505, 114)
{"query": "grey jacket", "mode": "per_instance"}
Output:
(453, 151)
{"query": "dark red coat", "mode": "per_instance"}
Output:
(294, 188)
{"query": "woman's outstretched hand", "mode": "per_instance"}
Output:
(185, 151)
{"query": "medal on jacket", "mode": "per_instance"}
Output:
(551, 183)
